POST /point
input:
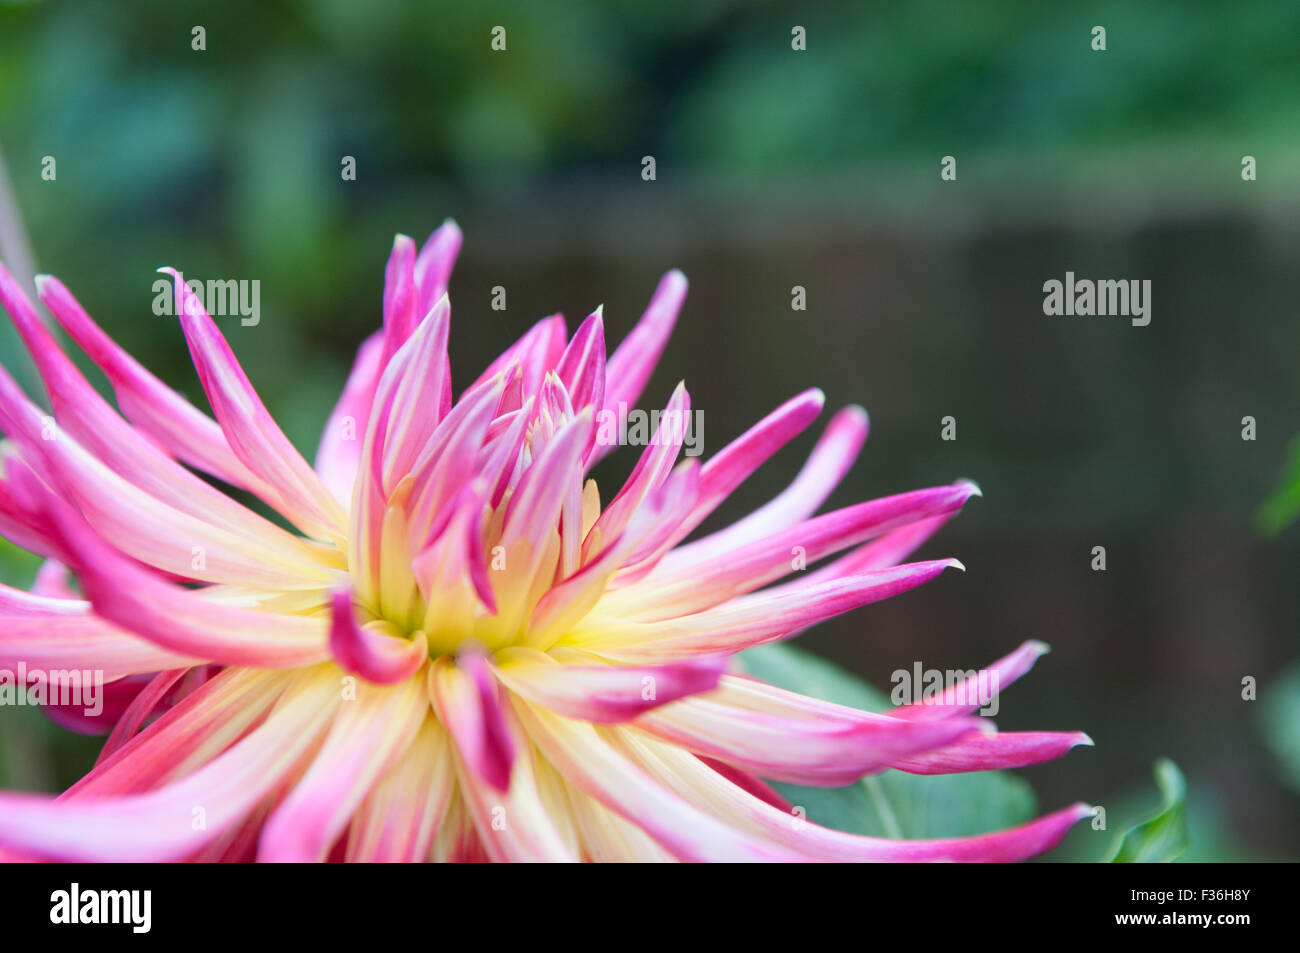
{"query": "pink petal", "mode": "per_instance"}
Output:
(630, 366)
(469, 704)
(179, 619)
(977, 690)
(339, 454)
(147, 402)
(250, 430)
(992, 752)
(829, 461)
(377, 658)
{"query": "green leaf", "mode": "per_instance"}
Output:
(894, 803)
(1280, 717)
(17, 566)
(1282, 507)
(1160, 838)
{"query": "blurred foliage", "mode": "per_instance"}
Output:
(1281, 509)
(1280, 721)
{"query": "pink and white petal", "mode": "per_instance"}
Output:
(826, 466)
(403, 813)
(141, 707)
(587, 760)
(141, 524)
(339, 453)
(369, 735)
(734, 463)
(821, 752)
(630, 366)
(651, 471)
(978, 689)
(400, 301)
(251, 431)
(679, 591)
(179, 619)
(606, 837)
(681, 772)
(587, 689)
(581, 368)
(408, 405)
(513, 825)
(187, 736)
(468, 702)
(81, 641)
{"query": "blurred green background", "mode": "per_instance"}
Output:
(778, 168)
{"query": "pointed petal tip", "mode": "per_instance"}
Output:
(1083, 739)
(956, 564)
(1038, 648)
(857, 413)
(970, 486)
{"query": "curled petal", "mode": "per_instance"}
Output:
(376, 657)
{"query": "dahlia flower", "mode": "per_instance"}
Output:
(458, 651)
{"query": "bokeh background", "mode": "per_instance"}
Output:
(777, 168)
